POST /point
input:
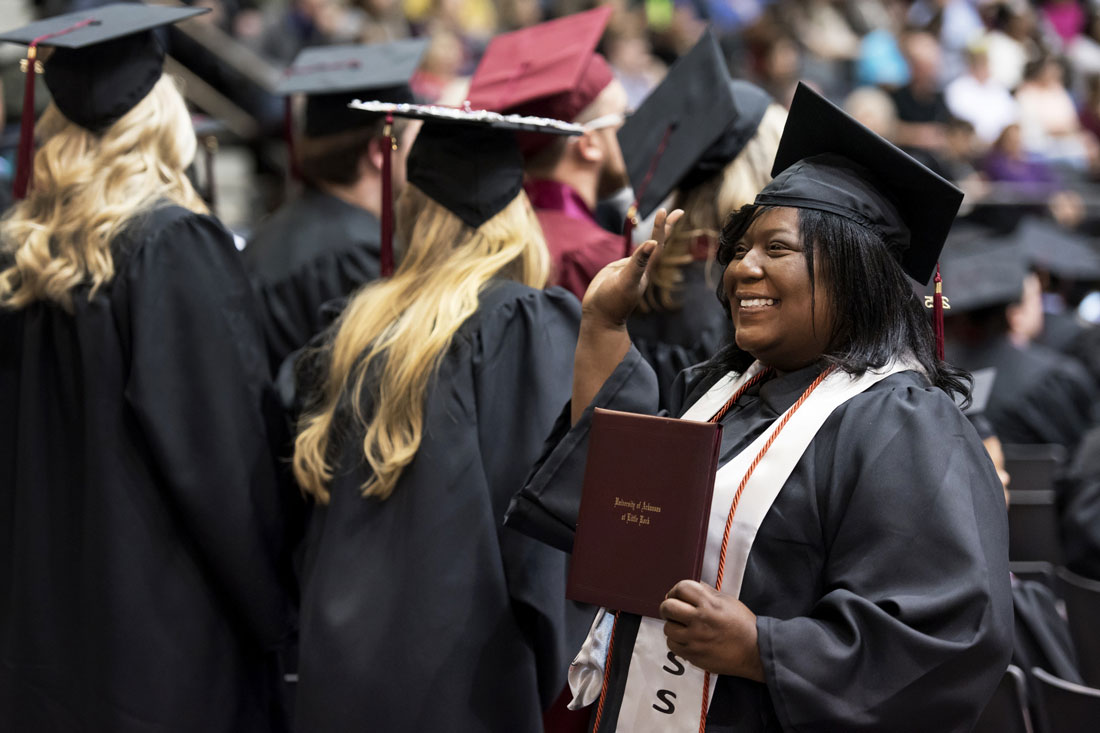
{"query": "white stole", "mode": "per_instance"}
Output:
(664, 694)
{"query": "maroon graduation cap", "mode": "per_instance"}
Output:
(548, 70)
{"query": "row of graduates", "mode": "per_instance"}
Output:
(153, 558)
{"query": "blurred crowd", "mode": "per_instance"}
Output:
(1002, 96)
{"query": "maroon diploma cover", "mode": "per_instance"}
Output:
(642, 525)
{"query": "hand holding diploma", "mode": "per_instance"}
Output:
(712, 630)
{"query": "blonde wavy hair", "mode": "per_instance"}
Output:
(87, 188)
(398, 330)
(707, 205)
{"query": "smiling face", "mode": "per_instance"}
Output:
(767, 282)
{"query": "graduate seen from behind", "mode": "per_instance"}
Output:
(143, 580)
(855, 574)
(325, 243)
(553, 70)
(426, 406)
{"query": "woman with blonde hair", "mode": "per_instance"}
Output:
(430, 400)
(711, 166)
(142, 582)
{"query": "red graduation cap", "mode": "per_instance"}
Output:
(548, 70)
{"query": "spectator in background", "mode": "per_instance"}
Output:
(921, 110)
(1008, 161)
(383, 20)
(1090, 106)
(1009, 41)
(628, 50)
(305, 23)
(1083, 56)
(956, 23)
(829, 41)
(1066, 18)
(980, 99)
(1048, 117)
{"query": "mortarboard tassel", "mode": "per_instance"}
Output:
(937, 314)
(24, 158)
(389, 144)
(632, 212)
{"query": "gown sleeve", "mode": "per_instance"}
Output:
(915, 604)
(200, 389)
(547, 505)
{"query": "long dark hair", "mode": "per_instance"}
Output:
(878, 315)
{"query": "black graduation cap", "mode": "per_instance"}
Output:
(334, 76)
(980, 391)
(691, 126)
(830, 162)
(985, 272)
(1060, 252)
(467, 160)
(105, 61)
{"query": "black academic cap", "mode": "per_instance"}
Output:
(105, 59)
(468, 160)
(830, 162)
(982, 273)
(333, 76)
(1060, 252)
(980, 391)
(471, 170)
(691, 126)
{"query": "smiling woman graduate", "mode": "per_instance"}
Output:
(855, 575)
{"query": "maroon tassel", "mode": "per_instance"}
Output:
(628, 229)
(389, 144)
(632, 214)
(937, 314)
(24, 159)
(293, 172)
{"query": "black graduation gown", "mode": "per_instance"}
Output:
(423, 612)
(1068, 334)
(1080, 490)
(879, 576)
(1039, 395)
(672, 341)
(1042, 639)
(315, 249)
(142, 587)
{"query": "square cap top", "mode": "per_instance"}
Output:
(707, 117)
(830, 162)
(468, 161)
(105, 23)
(359, 68)
(334, 76)
(1060, 252)
(546, 63)
(105, 59)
